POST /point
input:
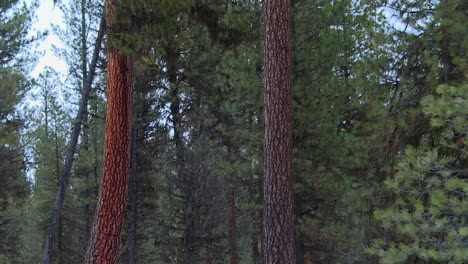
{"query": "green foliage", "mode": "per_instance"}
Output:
(339, 121)
(78, 36)
(49, 138)
(375, 132)
(14, 23)
(216, 90)
(15, 20)
(448, 106)
(427, 218)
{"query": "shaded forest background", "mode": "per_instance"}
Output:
(380, 123)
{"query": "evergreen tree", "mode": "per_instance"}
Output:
(84, 76)
(15, 21)
(426, 220)
(378, 126)
(188, 196)
(340, 92)
(278, 218)
(49, 139)
(104, 243)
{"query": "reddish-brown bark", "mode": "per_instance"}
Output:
(278, 220)
(110, 212)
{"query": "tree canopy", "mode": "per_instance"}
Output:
(378, 123)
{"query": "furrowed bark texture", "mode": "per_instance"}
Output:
(110, 212)
(104, 243)
(278, 220)
(71, 149)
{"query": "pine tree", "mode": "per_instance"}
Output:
(188, 213)
(379, 146)
(104, 243)
(84, 76)
(426, 220)
(434, 55)
(47, 134)
(15, 21)
(340, 99)
(278, 218)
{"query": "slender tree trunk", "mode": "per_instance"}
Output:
(84, 46)
(46, 113)
(104, 243)
(254, 215)
(231, 200)
(140, 110)
(88, 193)
(85, 140)
(59, 240)
(186, 183)
(96, 171)
(449, 74)
(57, 172)
(278, 219)
(71, 148)
(189, 223)
(232, 226)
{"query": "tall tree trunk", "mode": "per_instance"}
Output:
(96, 171)
(278, 219)
(189, 223)
(186, 183)
(140, 110)
(232, 226)
(104, 243)
(71, 148)
(254, 195)
(231, 199)
(59, 240)
(449, 72)
(85, 140)
(57, 172)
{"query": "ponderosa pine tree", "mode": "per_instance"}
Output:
(190, 223)
(104, 243)
(357, 110)
(278, 216)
